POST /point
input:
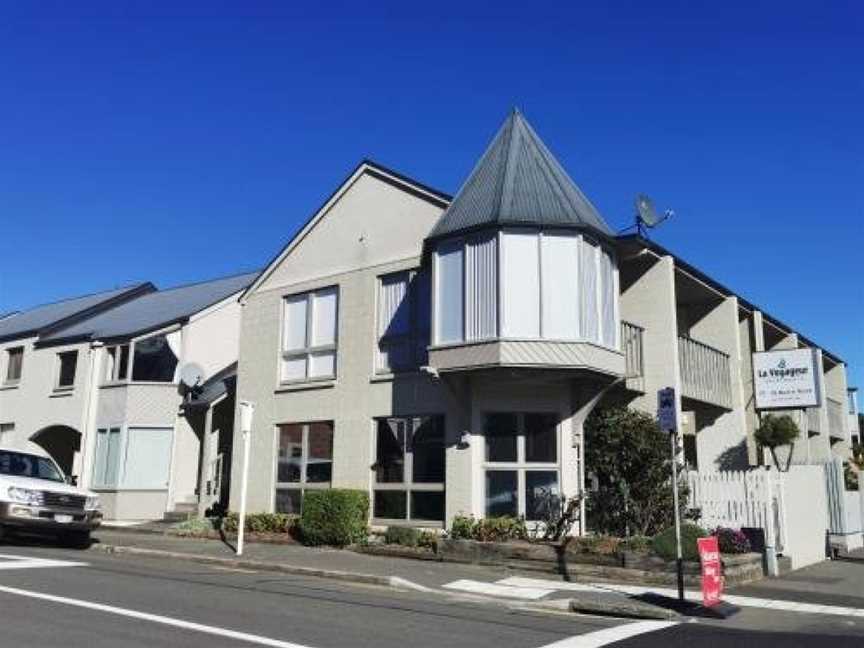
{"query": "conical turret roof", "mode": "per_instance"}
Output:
(518, 182)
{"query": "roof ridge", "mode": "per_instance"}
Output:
(205, 281)
(125, 288)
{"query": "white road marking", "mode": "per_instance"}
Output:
(611, 635)
(497, 589)
(11, 561)
(155, 618)
(637, 590)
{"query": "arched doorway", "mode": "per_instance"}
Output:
(61, 442)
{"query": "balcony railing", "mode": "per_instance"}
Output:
(836, 417)
(705, 374)
(631, 346)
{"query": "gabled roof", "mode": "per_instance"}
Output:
(48, 317)
(153, 311)
(366, 166)
(518, 182)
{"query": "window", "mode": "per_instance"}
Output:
(450, 300)
(409, 469)
(154, 360)
(106, 466)
(521, 276)
(117, 363)
(522, 474)
(403, 321)
(481, 288)
(560, 296)
(309, 336)
(67, 362)
(7, 431)
(138, 460)
(589, 324)
(14, 363)
(305, 461)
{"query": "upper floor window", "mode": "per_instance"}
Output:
(309, 335)
(403, 321)
(154, 359)
(551, 285)
(67, 363)
(117, 363)
(14, 364)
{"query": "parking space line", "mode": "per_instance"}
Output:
(611, 635)
(154, 618)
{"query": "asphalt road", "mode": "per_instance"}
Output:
(121, 601)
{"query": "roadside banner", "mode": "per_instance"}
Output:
(712, 570)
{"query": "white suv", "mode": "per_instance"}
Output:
(35, 497)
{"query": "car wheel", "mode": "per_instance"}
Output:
(76, 539)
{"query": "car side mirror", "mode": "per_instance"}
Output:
(72, 480)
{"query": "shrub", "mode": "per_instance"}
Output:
(193, 527)
(731, 541)
(600, 545)
(777, 431)
(663, 543)
(462, 528)
(261, 523)
(428, 539)
(630, 462)
(638, 544)
(405, 536)
(335, 517)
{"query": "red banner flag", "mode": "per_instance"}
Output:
(712, 570)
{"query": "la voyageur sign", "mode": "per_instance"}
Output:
(786, 379)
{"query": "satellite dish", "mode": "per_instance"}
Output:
(192, 375)
(646, 214)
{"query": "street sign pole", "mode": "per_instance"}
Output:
(247, 409)
(666, 414)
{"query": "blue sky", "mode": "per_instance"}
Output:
(189, 141)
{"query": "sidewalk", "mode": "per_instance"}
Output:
(830, 588)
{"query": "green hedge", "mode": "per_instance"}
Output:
(664, 544)
(497, 529)
(335, 517)
(262, 522)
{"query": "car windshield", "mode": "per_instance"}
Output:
(21, 464)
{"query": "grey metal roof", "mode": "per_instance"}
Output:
(37, 319)
(518, 182)
(154, 310)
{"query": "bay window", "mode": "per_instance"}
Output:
(116, 363)
(403, 321)
(309, 335)
(521, 467)
(551, 285)
(409, 469)
(304, 461)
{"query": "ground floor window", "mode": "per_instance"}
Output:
(521, 468)
(409, 469)
(304, 462)
(140, 459)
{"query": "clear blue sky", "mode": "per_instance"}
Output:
(183, 143)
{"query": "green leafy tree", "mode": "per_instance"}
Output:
(775, 432)
(629, 459)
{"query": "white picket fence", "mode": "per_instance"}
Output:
(732, 499)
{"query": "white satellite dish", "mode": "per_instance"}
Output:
(192, 375)
(646, 215)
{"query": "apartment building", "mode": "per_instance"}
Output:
(95, 382)
(443, 353)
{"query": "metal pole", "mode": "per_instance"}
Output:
(246, 411)
(679, 563)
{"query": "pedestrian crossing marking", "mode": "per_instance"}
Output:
(12, 561)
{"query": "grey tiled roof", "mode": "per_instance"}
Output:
(518, 182)
(154, 310)
(39, 318)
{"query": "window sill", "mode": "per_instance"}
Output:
(112, 385)
(62, 392)
(304, 386)
(8, 386)
(393, 375)
(383, 523)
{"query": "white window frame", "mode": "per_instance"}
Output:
(123, 457)
(408, 485)
(59, 367)
(521, 466)
(309, 350)
(112, 365)
(417, 334)
(302, 486)
(7, 380)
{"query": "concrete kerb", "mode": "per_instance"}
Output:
(570, 605)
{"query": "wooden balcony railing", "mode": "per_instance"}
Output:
(705, 374)
(631, 346)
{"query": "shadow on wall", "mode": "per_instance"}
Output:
(734, 458)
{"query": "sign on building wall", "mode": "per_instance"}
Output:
(786, 379)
